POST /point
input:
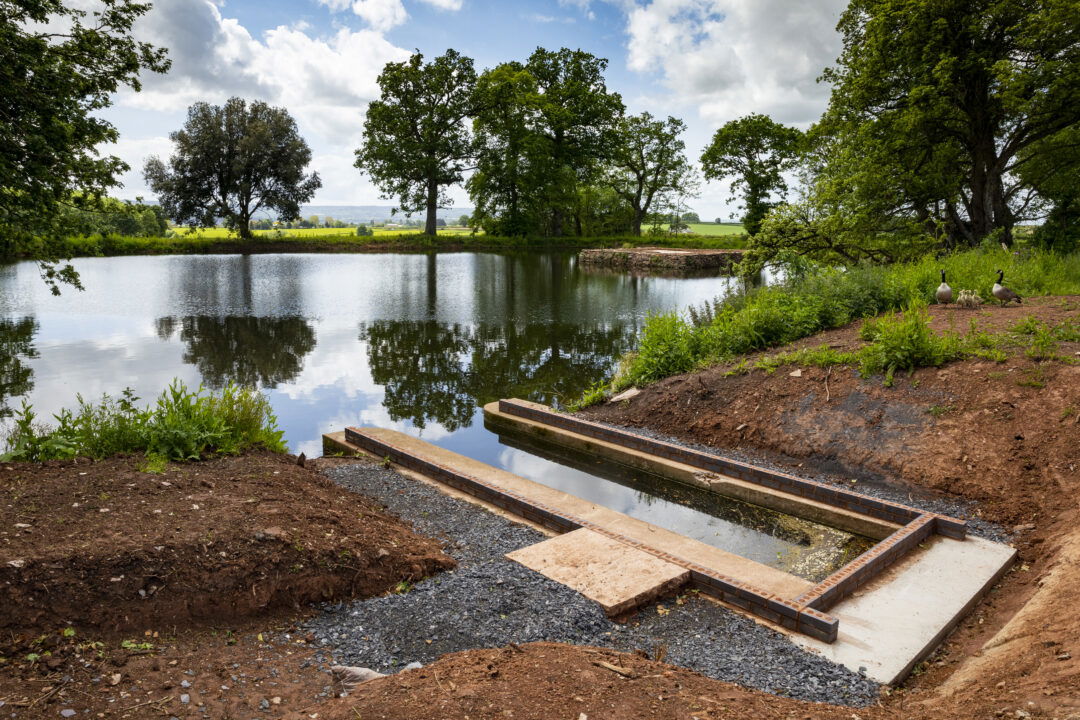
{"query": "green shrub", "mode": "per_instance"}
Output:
(905, 342)
(182, 425)
(822, 298)
(665, 349)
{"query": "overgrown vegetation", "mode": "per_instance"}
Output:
(821, 298)
(183, 244)
(183, 424)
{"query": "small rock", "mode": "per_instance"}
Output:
(22, 526)
(17, 563)
(275, 700)
(413, 666)
(67, 712)
(352, 676)
(796, 373)
(271, 533)
(383, 552)
(626, 395)
(114, 679)
(185, 684)
(185, 698)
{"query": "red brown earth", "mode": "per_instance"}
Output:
(107, 546)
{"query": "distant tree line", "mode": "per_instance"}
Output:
(550, 149)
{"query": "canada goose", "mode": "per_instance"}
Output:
(1002, 293)
(944, 292)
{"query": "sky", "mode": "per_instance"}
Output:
(704, 61)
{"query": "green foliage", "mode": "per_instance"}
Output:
(416, 142)
(905, 342)
(753, 152)
(665, 349)
(231, 161)
(182, 425)
(826, 297)
(364, 231)
(935, 106)
(544, 129)
(116, 217)
(649, 165)
(59, 69)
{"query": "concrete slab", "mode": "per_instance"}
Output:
(897, 619)
(616, 576)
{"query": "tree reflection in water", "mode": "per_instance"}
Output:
(16, 346)
(245, 350)
(441, 372)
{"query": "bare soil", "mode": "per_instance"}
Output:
(107, 546)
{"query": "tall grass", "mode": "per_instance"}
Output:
(825, 298)
(183, 424)
(185, 244)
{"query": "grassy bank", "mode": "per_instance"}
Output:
(182, 424)
(340, 241)
(826, 298)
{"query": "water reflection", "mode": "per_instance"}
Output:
(440, 372)
(16, 346)
(251, 351)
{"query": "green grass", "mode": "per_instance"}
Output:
(716, 229)
(183, 424)
(219, 240)
(825, 298)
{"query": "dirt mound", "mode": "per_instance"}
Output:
(105, 545)
(1005, 435)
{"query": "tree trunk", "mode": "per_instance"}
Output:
(557, 222)
(432, 206)
(639, 216)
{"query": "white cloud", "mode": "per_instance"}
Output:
(325, 81)
(381, 15)
(733, 57)
(445, 4)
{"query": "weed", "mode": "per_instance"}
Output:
(939, 410)
(136, 647)
(403, 587)
(155, 464)
(1067, 413)
(905, 342)
(1034, 378)
(182, 425)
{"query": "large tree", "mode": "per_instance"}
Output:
(947, 98)
(500, 188)
(574, 123)
(649, 163)
(416, 138)
(753, 153)
(232, 161)
(59, 67)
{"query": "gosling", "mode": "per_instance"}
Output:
(944, 292)
(1004, 294)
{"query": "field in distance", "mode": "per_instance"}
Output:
(716, 229)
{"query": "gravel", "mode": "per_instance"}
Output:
(489, 601)
(913, 497)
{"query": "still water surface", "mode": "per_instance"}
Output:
(414, 342)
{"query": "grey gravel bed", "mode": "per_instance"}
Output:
(489, 601)
(954, 507)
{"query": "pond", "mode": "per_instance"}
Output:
(413, 342)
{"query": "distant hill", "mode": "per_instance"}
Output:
(366, 213)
